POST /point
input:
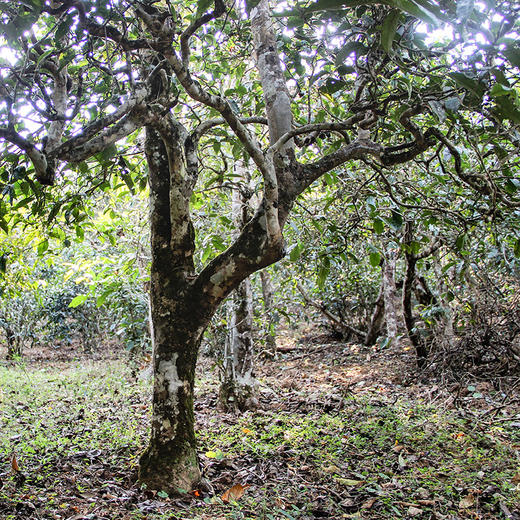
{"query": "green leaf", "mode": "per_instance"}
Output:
(507, 109)
(332, 85)
(54, 211)
(501, 90)
(460, 243)
(389, 29)
(78, 300)
(421, 9)
(396, 221)
(468, 83)
(512, 53)
(295, 252)
(464, 9)
(43, 246)
(80, 233)
(517, 248)
(378, 225)
(100, 300)
(202, 7)
(375, 259)
(63, 28)
(347, 50)
(323, 272)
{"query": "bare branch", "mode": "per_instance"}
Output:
(207, 125)
(90, 131)
(74, 154)
(220, 9)
(315, 127)
(356, 150)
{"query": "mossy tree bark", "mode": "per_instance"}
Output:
(170, 462)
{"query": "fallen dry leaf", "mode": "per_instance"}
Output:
(14, 464)
(369, 503)
(414, 511)
(348, 481)
(234, 493)
(467, 502)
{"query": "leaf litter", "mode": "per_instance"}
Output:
(338, 434)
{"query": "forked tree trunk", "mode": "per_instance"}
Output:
(170, 461)
(183, 302)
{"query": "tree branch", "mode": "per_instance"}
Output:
(37, 157)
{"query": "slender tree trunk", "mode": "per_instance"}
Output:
(269, 324)
(409, 281)
(238, 384)
(14, 347)
(395, 324)
(377, 318)
(447, 319)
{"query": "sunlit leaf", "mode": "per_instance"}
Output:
(78, 300)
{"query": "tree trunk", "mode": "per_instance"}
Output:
(14, 345)
(395, 324)
(269, 324)
(409, 281)
(446, 326)
(238, 384)
(170, 461)
(377, 319)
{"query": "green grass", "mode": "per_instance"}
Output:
(78, 432)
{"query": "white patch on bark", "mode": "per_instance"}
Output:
(168, 374)
(246, 380)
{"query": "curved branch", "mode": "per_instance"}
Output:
(207, 125)
(220, 9)
(356, 150)
(37, 157)
(315, 127)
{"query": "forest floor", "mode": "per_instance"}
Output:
(340, 432)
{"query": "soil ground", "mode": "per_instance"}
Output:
(340, 432)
